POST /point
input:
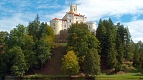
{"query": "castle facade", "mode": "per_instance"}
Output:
(70, 17)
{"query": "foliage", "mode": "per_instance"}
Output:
(92, 63)
(25, 48)
(106, 34)
(43, 50)
(116, 44)
(3, 42)
(81, 40)
(138, 54)
(19, 66)
(70, 63)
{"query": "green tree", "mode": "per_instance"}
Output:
(92, 63)
(43, 50)
(19, 66)
(43, 38)
(3, 42)
(46, 30)
(111, 60)
(106, 34)
(77, 38)
(120, 51)
(27, 45)
(81, 40)
(138, 53)
(33, 28)
(16, 35)
(3, 51)
(70, 63)
(126, 41)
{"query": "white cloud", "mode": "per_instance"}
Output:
(136, 29)
(96, 9)
(93, 9)
(8, 23)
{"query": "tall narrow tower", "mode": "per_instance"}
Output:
(73, 8)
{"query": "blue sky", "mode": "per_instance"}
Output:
(127, 12)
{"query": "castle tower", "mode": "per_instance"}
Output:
(73, 8)
(56, 24)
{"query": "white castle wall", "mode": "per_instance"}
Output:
(91, 26)
(70, 18)
(56, 25)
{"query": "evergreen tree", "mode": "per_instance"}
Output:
(106, 34)
(92, 63)
(120, 51)
(111, 59)
(138, 53)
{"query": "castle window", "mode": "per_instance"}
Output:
(70, 20)
(54, 24)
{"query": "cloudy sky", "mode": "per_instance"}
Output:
(127, 12)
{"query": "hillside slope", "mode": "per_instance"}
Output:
(54, 64)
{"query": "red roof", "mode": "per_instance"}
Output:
(77, 15)
(64, 20)
(56, 19)
(70, 12)
(73, 13)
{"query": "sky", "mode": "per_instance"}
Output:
(128, 12)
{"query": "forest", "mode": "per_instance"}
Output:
(27, 48)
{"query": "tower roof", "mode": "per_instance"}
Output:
(56, 19)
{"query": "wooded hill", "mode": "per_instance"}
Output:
(28, 48)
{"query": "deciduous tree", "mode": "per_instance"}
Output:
(70, 63)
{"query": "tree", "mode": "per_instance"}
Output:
(70, 63)
(19, 65)
(138, 53)
(43, 38)
(120, 51)
(33, 28)
(3, 51)
(43, 50)
(81, 40)
(111, 60)
(106, 34)
(77, 39)
(16, 35)
(126, 41)
(92, 63)
(3, 42)
(46, 30)
(27, 45)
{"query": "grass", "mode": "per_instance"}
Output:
(61, 44)
(121, 76)
(125, 76)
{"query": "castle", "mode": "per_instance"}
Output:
(71, 17)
